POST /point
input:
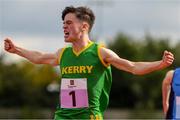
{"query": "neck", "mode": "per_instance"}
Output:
(79, 44)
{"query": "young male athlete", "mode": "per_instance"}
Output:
(85, 67)
(171, 94)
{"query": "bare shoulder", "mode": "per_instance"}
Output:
(169, 76)
(103, 51)
(170, 73)
(106, 53)
(59, 51)
(108, 56)
(59, 54)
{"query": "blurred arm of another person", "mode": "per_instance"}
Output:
(166, 88)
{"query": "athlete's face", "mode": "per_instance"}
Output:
(72, 28)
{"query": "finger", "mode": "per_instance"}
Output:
(7, 48)
(171, 54)
(169, 57)
(169, 63)
(166, 52)
(169, 60)
(6, 44)
(8, 41)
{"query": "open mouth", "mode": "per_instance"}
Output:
(66, 34)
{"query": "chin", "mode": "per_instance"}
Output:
(67, 40)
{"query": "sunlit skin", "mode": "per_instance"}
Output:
(76, 32)
(72, 28)
(166, 88)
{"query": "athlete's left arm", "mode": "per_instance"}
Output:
(138, 68)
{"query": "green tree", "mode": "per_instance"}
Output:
(130, 91)
(25, 84)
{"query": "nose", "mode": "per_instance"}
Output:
(64, 26)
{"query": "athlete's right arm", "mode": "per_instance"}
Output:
(33, 56)
(166, 87)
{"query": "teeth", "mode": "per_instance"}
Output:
(66, 32)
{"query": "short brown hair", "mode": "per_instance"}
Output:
(82, 13)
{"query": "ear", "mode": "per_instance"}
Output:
(85, 26)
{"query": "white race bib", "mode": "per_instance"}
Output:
(74, 93)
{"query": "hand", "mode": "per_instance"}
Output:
(168, 58)
(9, 46)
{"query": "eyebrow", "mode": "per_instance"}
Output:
(68, 21)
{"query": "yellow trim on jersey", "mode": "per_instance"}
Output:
(100, 57)
(91, 117)
(78, 53)
(96, 117)
(60, 54)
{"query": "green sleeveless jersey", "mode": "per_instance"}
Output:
(85, 84)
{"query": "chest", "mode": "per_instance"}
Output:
(85, 63)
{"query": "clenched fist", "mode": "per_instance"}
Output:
(9, 46)
(168, 58)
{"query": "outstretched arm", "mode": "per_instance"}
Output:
(138, 68)
(166, 87)
(33, 56)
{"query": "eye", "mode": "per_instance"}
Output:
(68, 22)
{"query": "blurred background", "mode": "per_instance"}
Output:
(138, 30)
